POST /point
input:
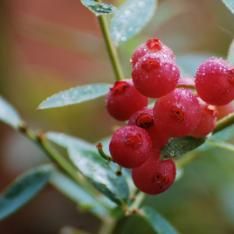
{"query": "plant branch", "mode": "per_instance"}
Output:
(63, 164)
(224, 122)
(133, 208)
(112, 52)
(107, 226)
(51, 152)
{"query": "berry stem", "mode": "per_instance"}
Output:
(112, 52)
(102, 153)
(224, 122)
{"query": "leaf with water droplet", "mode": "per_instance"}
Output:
(181, 145)
(229, 4)
(66, 141)
(23, 189)
(100, 173)
(77, 194)
(98, 8)
(75, 95)
(130, 19)
(8, 114)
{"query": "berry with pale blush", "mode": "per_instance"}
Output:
(207, 121)
(178, 113)
(215, 82)
(152, 46)
(155, 77)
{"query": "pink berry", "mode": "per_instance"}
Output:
(207, 121)
(154, 46)
(130, 146)
(123, 100)
(155, 77)
(178, 113)
(215, 81)
(154, 176)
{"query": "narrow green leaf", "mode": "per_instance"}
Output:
(131, 18)
(98, 8)
(179, 173)
(179, 146)
(8, 114)
(75, 95)
(230, 56)
(77, 194)
(229, 4)
(221, 144)
(100, 174)
(23, 189)
(66, 141)
(158, 223)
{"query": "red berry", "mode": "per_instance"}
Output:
(154, 76)
(123, 100)
(158, 136)
(222, 111)
(143, 118)
(154, 46)
(215, 82)
(130, 146)
(154, 176)
(207, 121)
(178, 113)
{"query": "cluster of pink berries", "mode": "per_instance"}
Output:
(177, 111)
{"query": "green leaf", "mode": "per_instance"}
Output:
(179, 146)
(98, 8)
(230, 56)
(8, 114)
(158, 223)
(77, 194)
(23, 189)
(100, 173)
(75, 95)
(66, 141)
(131, 18)
(229, 4)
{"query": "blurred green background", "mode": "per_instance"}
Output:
(47, 46)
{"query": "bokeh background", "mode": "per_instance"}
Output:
(50, 45)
